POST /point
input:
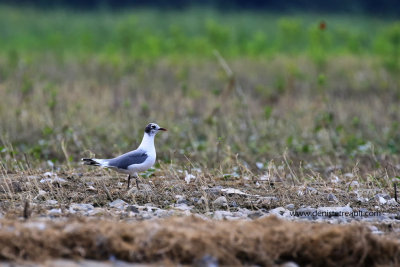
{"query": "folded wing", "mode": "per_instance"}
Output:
(127, 159)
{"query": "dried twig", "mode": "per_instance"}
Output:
(107, 192)
(27, 211)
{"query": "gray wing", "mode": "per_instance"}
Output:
(123, 161)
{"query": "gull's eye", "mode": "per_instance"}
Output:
(153, 127)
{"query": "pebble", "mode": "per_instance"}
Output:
(54, 211)
(91, 188)
(233, 191)
(255, 215)
(132, 208)
(75, 207)
(221, 214)
(53, 180)
(180, 199)
(334, 179)
(51, 202)
(118, 204)
(353, 184)
(163, 213)
(289, 264)
(38, 225)
(189, 177)
(201, 201)
(311, 190)
(220, 202)
(380, 200)
(182, 206)
(392, 202)
(206, 261)
(385, 196)
(267, 200)
(280, 211)
(214, 190)
(332, 198)
(290, 207)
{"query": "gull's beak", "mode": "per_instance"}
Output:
(162, 129)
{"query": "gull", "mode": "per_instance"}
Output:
(135, 161)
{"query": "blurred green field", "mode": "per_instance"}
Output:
(150, 34)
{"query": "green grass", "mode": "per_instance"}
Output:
(149, 34)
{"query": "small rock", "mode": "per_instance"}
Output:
(36, 225)
(290, 207)
(311, 190)
(353, 184)
(380, 199)
(332, 198)
(162, 213)
(362, 200)
(183, 207)
(118, 204)
(180, 199)
(80, 207)
(220, 202)
(41, 196)
(96, 211)
(53, 180)
(214, 190)
(233, 191)
(54, 212)
(392, 202)
(233, 204)
(132, 208)
(91, 188)
(206, 261)
(49, 174)
(201, 201)
(145, 187)
(333, 168)
(334, 179)
(289, 264)
(189, 177)
(51, 202)
(221, 214)
(267, 200)
(385, 196)
(255, 215)
(375, 230)
(280, 211)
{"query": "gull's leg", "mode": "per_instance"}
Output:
(137, 182)
(129, 180)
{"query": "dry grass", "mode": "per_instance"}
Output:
(336, 116)
(266, 241)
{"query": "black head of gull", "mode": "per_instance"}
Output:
(153, 128)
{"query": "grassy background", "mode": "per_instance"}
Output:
(149, 34)
(232, 88)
